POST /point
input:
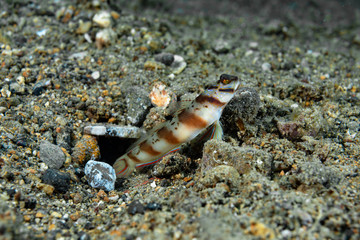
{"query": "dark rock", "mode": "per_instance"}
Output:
(165, 58)
(89, 226)
(11, 192)
(79, 172)
(60, 180)
(30, 203)
(40, 86)
(136, 207)
(21, 140)
(165, 183)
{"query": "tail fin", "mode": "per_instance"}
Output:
(123, 168)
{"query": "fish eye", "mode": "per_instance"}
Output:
(225, 81)
(226, 78)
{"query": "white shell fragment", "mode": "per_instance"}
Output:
(100, 175)
(103, 19)
(95, 75)
(178, 64)
(42, 32)
(114, 131)
(266, 66)
(104, 38)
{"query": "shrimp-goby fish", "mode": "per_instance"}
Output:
(205, 110)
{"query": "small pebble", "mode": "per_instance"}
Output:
(136, 207)
(42, 32)
(100, 175)
(165, 58)
(17, 88)
(266, 67)
(152, 65)
(84, 27)
(103, 19)
(178, 65)
(104, 38)
(78, 56)
(60, 180)
(95, 75)
(253, 45)
(40, 86)
(248, 53)
(56, 215)
(51, 155)
(2, 109)
(286, 234)
(221, 46)
(77, 198)
(46, 188)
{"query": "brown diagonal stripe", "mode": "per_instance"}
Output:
(192, 120)
(132, 157)
(212, 100)
(168, 136)
(144, 146)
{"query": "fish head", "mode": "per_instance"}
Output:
(225, 88)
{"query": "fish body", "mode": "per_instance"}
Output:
(184, 126)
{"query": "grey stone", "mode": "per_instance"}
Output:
(51, 155)
(165, 58)
(137, 102)
(114, 131)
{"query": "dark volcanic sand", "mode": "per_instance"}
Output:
(288, 164)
